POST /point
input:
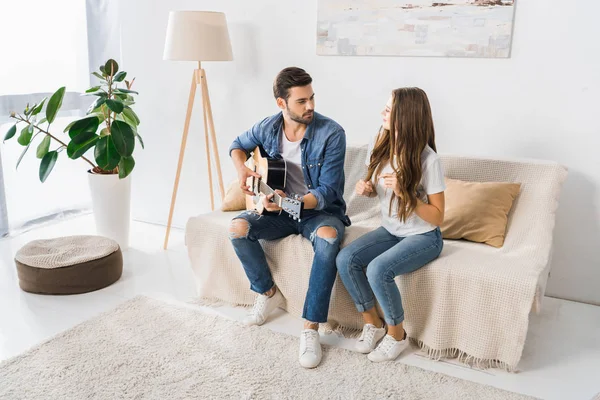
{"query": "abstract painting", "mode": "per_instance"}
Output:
(453, 28)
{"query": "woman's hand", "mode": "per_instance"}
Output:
(390, 181)
(364, 188)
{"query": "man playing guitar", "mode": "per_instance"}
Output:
(314, 148)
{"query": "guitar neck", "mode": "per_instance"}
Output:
(266, 190)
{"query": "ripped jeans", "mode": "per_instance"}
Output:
(323, 270)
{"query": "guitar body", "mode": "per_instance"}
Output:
(273, 173)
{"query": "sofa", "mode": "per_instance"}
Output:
(472, 303)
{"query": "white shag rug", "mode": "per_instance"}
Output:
(149, 349)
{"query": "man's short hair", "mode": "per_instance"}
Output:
(288, 78)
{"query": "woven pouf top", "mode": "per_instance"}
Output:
(65, 251)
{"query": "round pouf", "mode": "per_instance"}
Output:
(69, 265)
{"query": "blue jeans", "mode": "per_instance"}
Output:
(270, 227)
(384, 256)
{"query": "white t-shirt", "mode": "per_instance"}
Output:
(292, 154)
(432, 182)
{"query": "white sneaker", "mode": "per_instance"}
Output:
(263, 306)
(369, 338)
(310, 349)
(388, 349)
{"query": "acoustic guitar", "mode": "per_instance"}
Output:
(273, 176)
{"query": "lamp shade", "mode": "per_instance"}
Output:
(197, 36)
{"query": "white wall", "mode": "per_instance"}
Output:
(540, 103)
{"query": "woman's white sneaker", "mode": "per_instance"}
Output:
(388, 349)
(263, 306)
(369, 337)
(310, 348)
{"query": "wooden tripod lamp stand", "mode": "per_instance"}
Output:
(197, 36)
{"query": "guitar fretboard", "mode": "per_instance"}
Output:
(266, 190)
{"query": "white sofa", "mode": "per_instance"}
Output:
(473, 302)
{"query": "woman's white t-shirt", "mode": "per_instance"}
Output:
(432, 182)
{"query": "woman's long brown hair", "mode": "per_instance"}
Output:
(411, 129)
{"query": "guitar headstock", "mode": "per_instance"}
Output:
(293, 206)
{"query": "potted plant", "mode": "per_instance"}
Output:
(110, 127)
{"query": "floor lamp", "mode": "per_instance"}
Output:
(197, 36)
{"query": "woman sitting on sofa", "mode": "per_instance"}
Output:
(405, 172)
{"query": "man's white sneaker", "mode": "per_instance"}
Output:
(263, 306)
(310, 349)
(369, 337)
(388, 349)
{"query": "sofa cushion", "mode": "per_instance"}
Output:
(478, 211)
(235, 199)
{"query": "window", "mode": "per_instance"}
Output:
(47, 45)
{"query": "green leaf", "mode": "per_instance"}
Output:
(97, 103)
(119, 90)
(137, 135)
(11, 132)
(43, 120)
(43, 147)
(106, 154)
(47, 164)
(87, 124)
(126, 165)
(23, 154)
(26, 135)
(38, 108)
(98, 115)
(54, 104)
(97, 75)
(130, 121)
(69, 126)
(104, 132)
(115, 105)
(27, 110)
(123, 137)
(130, 114)
(120, 76)
(81, 143)
(99, 93)
(111, 67)
(93, 89)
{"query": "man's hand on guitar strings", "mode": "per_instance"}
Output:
(243, 174)
(268, 201)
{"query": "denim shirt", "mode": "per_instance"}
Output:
(323, 151)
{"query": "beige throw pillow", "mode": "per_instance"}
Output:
(235, 199)
(478, 211)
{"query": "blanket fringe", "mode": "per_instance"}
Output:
(215, 302)
(352, 333)
(341, 330)
(461, 356)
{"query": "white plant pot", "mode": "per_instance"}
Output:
(112, 206)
